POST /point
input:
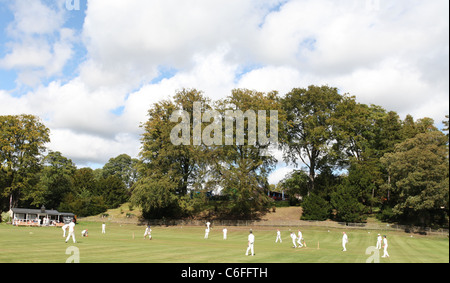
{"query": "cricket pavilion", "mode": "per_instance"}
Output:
(39, 217)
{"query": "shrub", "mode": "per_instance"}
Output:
(315, 208)
(348, 208)
(386, 214)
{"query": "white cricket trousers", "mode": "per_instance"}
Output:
(250, 248)
(73, 237)
(385, 251)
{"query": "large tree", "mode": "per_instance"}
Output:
(56, 180)
(22, 144)
(419, 178)
(122, 166)
(364, 134)
(168, 169)
(308, 133)
(242, 163)
(113, 190)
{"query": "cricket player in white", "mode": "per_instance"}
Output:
(379, 240)
(206, 233)
(251, 242)
(225, 231)
(71, 232)
(293, 239)
(148, 231)
(278, 236)
(344, 241)
(385, 246)
(299, 239)
(103, 228)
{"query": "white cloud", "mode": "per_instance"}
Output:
(39, 45)
(86, 150)
(271, 78)
(11, 105)
(34, 17)
(31, 55)
(279, 174)
(397, 87)
(394, 54)
(138, 103)
(136, 37)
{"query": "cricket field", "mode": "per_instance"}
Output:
(124, 243)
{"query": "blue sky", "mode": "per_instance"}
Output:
(91, 74)
(11, 35)
(7, 77)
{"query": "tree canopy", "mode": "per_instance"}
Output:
(205, 158)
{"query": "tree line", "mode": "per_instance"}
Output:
(352, 160)
(31, 177)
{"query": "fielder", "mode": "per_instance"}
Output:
(379, 240)
(344, 241)
(206, 233)
(225, 231)
(251, 241)
(103, 228)
(299, 239)
(71, 231)
(278, 236)
(148, 231)
(385, 246)
(84, 233)
(293, 237)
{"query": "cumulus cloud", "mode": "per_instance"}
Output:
(132, 39)
(34, 17)
(39, 45)
(271, 78)
(91, 150)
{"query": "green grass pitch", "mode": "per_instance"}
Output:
(176, 244)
